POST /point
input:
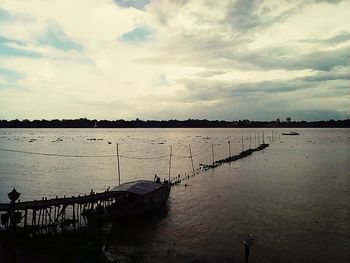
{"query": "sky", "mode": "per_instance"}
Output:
(175, 59)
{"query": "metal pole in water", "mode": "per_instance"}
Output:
(189, 147)
(171, 149)
(118, 163)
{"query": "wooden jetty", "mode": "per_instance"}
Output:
(53, 215)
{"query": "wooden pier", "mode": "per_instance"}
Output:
(53, 215)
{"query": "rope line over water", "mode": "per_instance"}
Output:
(54, 154)
(100, 156)
(193, 155)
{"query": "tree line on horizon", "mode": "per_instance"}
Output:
(190, 123)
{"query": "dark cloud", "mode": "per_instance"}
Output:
(315, 115)
(272, 87)
(248, 16)
(327, 76)
(139, 4)
(339, 38)
(206, 74)
(329, 1)
(291, 59)
(243, 14)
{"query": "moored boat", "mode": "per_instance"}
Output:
(138, 198)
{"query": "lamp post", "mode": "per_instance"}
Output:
(13, 196)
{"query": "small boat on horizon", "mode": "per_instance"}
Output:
(290, 133)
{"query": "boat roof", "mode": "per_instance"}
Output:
(140, 187)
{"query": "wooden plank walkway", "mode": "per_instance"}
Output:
(46, 203)
(56, 214)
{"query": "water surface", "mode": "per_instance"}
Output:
(293, 196)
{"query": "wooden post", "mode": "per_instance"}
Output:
(73, 214)
(258, 138)
(229, 148)
(25, 218)
(212, 151)
(50, 218)
(118, 163)
(189, 147)
(242, 144)
(34, 214)
(171, 151)
(250, 141)
(263, 137)
(45, 218)
(254, 140)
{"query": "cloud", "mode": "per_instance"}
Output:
(173, 58)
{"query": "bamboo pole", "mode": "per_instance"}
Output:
(212, 151)
(171, 151)
(263, 137)
(229, 148)
(254, 140)
(189, 147)
(118, 163)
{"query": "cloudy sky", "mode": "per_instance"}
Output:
(166, 59)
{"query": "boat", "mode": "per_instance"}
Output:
(138, 198)
(290, 133)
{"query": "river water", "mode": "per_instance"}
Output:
(293, 197)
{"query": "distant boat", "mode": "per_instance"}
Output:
(290, 133)
(138, 198)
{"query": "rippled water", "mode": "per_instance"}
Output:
(293, 197)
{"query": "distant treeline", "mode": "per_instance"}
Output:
(190, 123)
